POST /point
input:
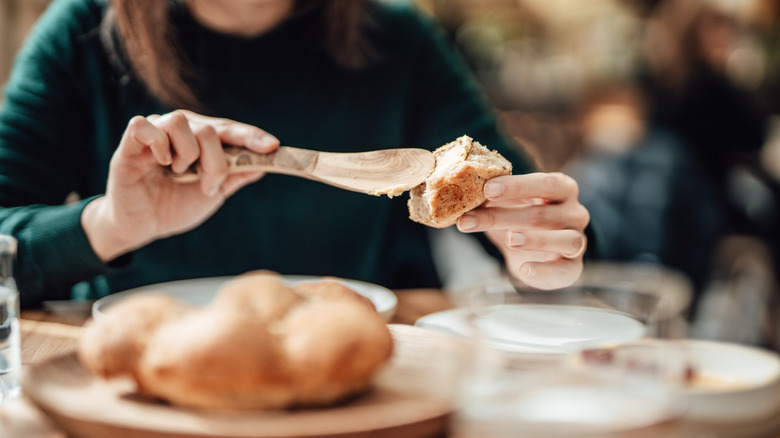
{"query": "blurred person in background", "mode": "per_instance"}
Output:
(105, 97)
(645, 190)
(685, 50)
(658, 151)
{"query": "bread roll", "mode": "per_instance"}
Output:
(212, 359)
(262, 297)
(260, 344)
(455, 186)
(330, 289)
(110, 346)
(334, 349)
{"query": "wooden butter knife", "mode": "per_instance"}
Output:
(381, 172)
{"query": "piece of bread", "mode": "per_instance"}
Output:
(455, 186)
(111, 345)
(212, 359)
(335, 347)
(260, 344)
(260, 297)
(331, 289)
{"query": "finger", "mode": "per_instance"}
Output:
(238, 134)
(568, 243)
(185, 147)
(213, 166)
(141, 134)
(552, 187)
(550, 216)
(552, 274)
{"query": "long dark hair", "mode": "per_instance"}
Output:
(153, 52)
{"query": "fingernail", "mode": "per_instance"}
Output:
(517, 239)
(493, 189)
(264, 141)
(528, 271)
(214, 189)
(467, 222)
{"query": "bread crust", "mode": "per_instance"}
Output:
(109, 350)
(456, 184)
(212, 359)
(330, 289)
(260, 296)
(335, 347)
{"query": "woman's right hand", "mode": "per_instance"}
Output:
(142, 203)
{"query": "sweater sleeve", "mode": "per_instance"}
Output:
(45, 141)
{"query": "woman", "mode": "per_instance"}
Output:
(104, 97)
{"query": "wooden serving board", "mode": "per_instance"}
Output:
(411, 398)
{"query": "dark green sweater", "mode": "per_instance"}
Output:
(66, 106)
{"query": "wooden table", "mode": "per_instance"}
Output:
(45, 335)
(50, 333)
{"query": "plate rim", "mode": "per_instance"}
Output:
(516, 347)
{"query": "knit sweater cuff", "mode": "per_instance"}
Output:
(55, 254)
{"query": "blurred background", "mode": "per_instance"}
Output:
(667, 113)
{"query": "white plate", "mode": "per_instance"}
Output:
(732, 383)
(743, 382)
(200, 291)
(540, 328)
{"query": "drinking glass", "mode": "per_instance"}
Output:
(10, 355)
(576, 361)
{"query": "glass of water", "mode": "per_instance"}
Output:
(544, 365)
(10, 355)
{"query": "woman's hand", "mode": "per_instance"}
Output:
(538, 223)
(142, 203)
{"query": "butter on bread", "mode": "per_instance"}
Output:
(455, 186)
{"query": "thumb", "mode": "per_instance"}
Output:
(251, 137)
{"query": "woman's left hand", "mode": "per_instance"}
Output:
(538, 223)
